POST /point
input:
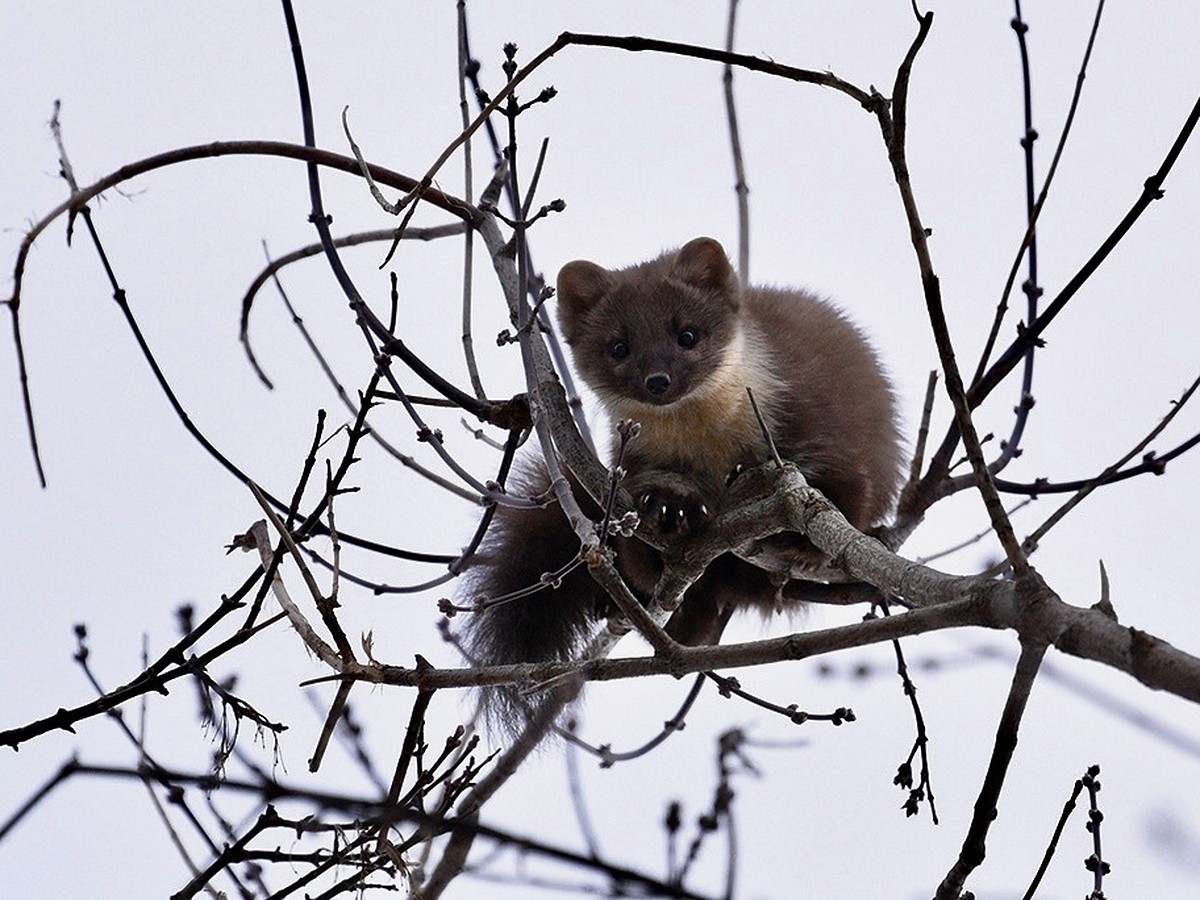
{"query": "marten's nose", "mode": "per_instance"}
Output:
(658, 382)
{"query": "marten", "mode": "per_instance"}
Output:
(673, 344)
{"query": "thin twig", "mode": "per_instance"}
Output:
(1052, 847)
(1152, 190)
(894, 136)
(740, 188)
(973, 849)
(1103, 478)
(1010, 448)
(1095, 863)
(273, 266)
(1027, 240)
(587, 829)
(934, 485)
(609, 757)
(973, 539)
(468, 192)
(634, 44)
(1153, 463)
(924, 788)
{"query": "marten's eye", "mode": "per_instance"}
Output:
(618, 349)
(688, 337)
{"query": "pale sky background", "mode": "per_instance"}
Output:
(136, 514)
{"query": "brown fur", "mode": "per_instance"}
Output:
(673, 343)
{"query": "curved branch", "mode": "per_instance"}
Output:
(635, 44)
(337, 161)
(351, 240)
(78, 199)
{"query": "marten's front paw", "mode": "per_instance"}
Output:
(669, 503)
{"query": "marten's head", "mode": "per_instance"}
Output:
(652, 333)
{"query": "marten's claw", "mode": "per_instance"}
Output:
(669, 512)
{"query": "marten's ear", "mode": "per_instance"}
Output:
(581, 285)
(703, 264)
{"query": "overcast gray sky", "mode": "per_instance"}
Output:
(136, 514)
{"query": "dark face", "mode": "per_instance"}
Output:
(651, 345)
(652, 333)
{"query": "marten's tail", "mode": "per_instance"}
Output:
(551, 615)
